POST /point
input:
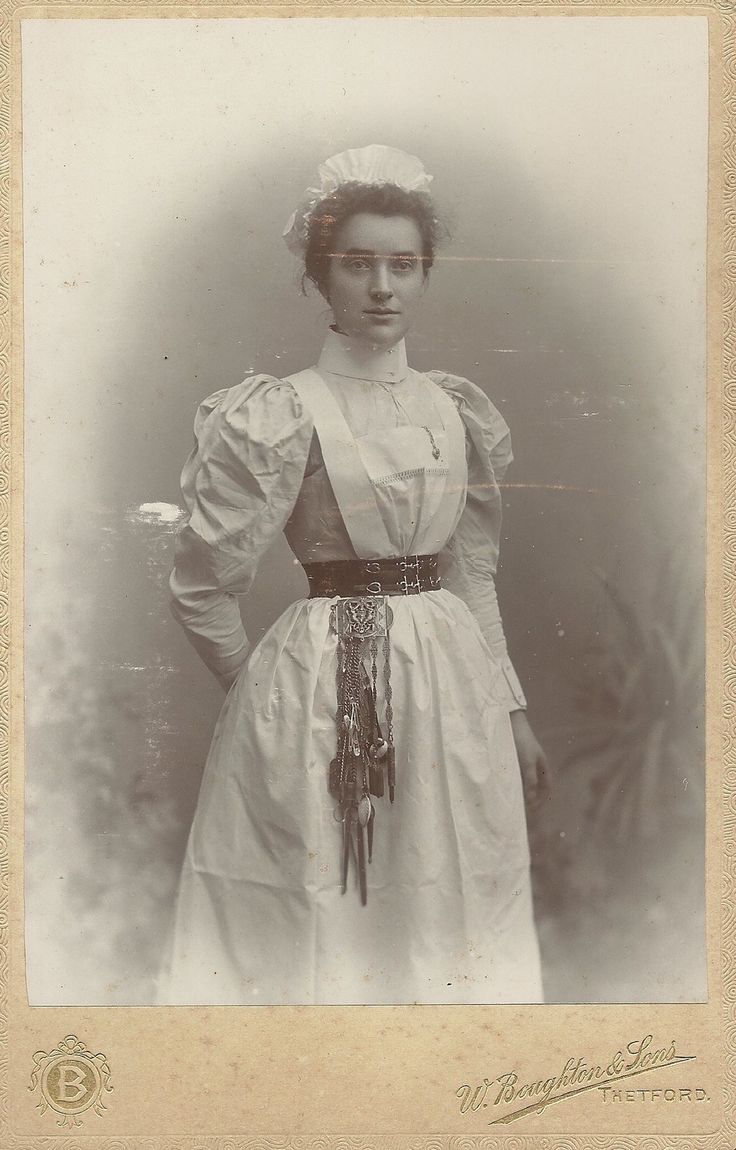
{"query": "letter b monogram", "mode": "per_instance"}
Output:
(71, 1080)
(71, 1084)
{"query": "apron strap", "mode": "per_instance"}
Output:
(347, 474)
(438, 531)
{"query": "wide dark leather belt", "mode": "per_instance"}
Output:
(405, 575)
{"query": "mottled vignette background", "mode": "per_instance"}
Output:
(161, 160)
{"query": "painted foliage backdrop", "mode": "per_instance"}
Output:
(161, 159)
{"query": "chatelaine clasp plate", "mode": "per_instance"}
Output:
(361, 617)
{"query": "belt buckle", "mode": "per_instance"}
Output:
(410, 563)
(410, 586)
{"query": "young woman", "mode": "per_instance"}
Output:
(360, 833)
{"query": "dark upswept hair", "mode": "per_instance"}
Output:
(353, 197)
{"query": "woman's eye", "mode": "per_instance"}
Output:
(356, 263)
(405, 264)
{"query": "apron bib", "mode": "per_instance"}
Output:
(356, 466)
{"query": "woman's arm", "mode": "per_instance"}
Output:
(470, 559)
(469, 569)
(470, 574)
(204, 603)
(239, 486)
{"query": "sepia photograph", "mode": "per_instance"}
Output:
(365, 510)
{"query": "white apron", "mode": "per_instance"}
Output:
(260, 916)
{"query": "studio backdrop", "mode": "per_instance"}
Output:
(161, 161)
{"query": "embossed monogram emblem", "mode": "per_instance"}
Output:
(71, 1080)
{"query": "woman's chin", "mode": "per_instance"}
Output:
(381, 333)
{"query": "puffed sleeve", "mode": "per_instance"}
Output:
(239, 486)
(470, 558)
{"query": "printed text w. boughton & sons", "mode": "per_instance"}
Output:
(512, 1097)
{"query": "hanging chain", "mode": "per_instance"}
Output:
(391, 754)
(357, 770)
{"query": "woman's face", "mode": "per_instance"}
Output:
(376, 277)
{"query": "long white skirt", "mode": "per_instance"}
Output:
(260, 917)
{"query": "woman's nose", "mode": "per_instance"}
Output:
(381, 283)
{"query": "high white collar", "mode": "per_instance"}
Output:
(350, 358)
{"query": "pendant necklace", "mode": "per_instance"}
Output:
(436, 452)
(435, 449)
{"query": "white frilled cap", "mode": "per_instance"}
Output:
(375, 164)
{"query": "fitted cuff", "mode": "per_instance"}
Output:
(515, 695)
(224, 664)
(227, 667)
